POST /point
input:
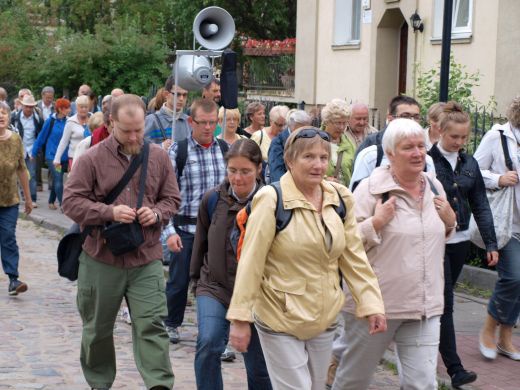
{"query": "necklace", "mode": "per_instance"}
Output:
(422, 184)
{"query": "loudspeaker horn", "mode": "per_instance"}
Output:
(214, 28)
(193, 72)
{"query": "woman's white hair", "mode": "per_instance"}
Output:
(278, 112)
(299, 117)
(399, 129)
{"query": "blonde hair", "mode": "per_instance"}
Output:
(452, 112)
(435, 111)
(235, 112)
(82, 100)
(95, 121)
(334, 110)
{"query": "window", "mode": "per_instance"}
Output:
(461, 19)
(347, 22)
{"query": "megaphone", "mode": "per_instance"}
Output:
(214, 28)
(193, 72)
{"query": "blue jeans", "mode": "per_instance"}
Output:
(31, 166)
(454, 258)
(57, 182)
(211, 342)
(504, 305)
(178, 281)
(8, 245)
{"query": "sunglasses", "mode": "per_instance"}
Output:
(311, 132)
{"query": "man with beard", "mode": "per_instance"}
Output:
(104, 278)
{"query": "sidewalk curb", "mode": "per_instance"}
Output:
(42, 222)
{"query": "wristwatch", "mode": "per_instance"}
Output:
(157, 219)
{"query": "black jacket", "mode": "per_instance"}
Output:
(466, 193)
(38, 123)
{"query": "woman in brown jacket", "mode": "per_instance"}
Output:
(214, 264)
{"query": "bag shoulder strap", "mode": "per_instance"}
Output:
(161, 127)
(507, 156)
(338, 165)
(182, 156)
(144, 173)
(341, 209)
(112, 195)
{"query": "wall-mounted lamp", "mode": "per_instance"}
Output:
(416, 22)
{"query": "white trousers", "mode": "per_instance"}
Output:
(417, 344)
(295, 364)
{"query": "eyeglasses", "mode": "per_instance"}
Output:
(241, 172)
(311, 133)
(179, 94)
(406, 115)
(339, 124)
(204, 123)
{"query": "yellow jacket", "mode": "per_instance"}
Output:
(290, 281)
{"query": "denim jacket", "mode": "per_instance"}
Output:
(466, 193)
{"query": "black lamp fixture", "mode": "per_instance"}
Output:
(416, 21)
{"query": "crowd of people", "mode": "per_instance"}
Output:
(352, 237)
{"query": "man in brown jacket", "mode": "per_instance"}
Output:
(103, 278)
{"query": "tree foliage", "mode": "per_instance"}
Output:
(106, 43)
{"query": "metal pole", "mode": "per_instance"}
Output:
(176, 75)
(445, 53)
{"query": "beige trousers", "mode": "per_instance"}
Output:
(295, 364)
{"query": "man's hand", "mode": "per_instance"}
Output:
(123, 213)
(240, 335)
(376, 324)
(174, 243)
(146, 216)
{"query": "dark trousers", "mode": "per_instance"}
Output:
(454, 258)
(178, 281)
(39, 165)
(8, 246)
(211, 342)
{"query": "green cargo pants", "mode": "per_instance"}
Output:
(101, 288)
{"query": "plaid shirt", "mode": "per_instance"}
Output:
(204, 169)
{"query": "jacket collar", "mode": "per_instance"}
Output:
(435, 153)
(293, 198)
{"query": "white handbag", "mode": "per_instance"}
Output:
(501, 205)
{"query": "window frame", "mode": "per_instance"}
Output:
(458, 34)
(353, 14)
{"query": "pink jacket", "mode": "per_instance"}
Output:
(407, 255)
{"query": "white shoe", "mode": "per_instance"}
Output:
(488, 353)
(510, 355)
(125, 316)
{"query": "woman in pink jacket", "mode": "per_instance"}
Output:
(404, 220)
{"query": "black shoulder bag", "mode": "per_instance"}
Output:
(70, 246)
(122, 237)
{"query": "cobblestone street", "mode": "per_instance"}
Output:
(41, 329)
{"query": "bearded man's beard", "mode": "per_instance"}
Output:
(132, 149)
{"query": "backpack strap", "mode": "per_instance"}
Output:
(507, 156)
(380, 155)
(340, 209)
(161, 127)
(51, 125)
(212, 204)
(182, 156)
(224, 147)
(432, 186)
(283, 216)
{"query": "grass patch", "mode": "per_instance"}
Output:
(392, 367)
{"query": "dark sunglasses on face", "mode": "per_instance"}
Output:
(311, 133)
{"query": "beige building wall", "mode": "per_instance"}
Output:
(324, 72)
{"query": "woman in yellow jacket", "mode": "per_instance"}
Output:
(288, 282)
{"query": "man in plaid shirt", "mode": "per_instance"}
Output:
(204, 169)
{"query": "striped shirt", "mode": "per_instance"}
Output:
(205, 168)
